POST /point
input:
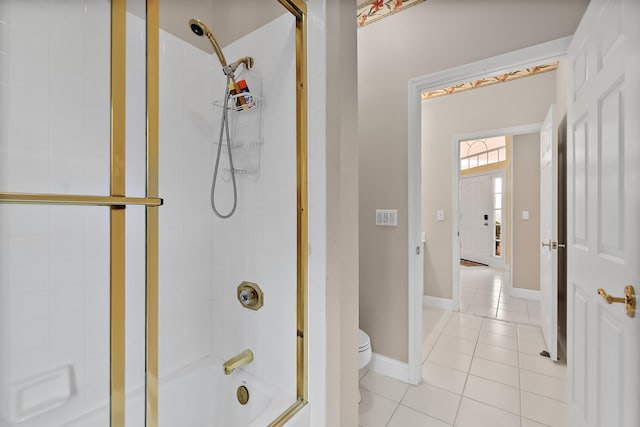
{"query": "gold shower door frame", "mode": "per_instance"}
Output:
(117, 202)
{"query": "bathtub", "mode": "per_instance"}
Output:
(199, 395)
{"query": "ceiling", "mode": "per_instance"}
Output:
(228, 20)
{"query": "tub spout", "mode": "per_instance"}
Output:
(237, 361)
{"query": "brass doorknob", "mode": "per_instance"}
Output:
(629, 299)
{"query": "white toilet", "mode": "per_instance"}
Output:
(364, 353)
(364, 349)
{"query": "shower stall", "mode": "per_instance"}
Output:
(124, 299)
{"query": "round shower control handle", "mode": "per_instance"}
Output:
(248, 297)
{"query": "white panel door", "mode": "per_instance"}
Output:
(475, 218)
(603, 183)
(549, 233)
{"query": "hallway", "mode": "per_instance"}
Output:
(484, 291)
(476, 372)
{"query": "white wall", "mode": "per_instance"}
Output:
(186, 221)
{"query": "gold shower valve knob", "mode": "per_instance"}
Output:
(250, 295)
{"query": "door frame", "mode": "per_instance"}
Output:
(508, 62)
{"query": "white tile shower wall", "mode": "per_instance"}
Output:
(54, 260)
(258, 244)
(58, 130)
(186, 221)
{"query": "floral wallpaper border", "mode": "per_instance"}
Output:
(371, 10)
(490, 80)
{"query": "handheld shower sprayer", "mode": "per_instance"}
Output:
(199, 28)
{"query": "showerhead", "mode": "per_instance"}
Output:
(198, 27)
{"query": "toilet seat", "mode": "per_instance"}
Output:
(364, 352)
(364, 342)
(364, 348)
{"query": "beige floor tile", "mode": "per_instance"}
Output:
(513, 305)
(451, 359)
(530, 423)
(495, 371)
(384, 386)
(512, 316)
(482, 310)
(446, 378)
(477, 414)
(407, 417)
(374, 410)
(426, 350)
(461, 332)
(529, 333)
(460, 345)
(534, 319)
(505, 372)
(533, 347)
(543, 365)
(544, 385)
(493, 393)
(497, 354)
(362, 372)
(499, 327)
(432, 401)
(497, 340)
(544, 410)
(434, 319)
(465, 320)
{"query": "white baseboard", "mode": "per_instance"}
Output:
(525, 293)
(390, 367)
(436, 302)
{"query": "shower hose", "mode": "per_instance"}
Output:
(224, 132)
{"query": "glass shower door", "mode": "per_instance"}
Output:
(72, 352)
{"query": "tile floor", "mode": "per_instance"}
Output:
(484, 291)
(477, 372)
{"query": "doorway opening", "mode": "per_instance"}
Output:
(419, 265)
(495, 179)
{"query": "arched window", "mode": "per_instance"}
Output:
(480, 152)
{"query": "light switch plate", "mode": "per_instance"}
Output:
(440, 215)
(525, 215)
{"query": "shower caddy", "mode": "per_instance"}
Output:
(245, 127)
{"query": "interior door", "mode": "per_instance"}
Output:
(603, 179)
(475, 218)
(549, 233)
